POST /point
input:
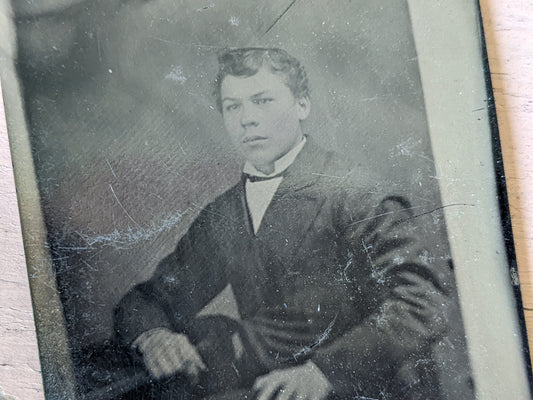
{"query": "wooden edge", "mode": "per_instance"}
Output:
(508, 32)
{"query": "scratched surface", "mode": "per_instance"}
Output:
(127, 236)
(131, 148)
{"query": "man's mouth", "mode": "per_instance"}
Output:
(252, 139)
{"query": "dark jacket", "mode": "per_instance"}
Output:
(340, 272)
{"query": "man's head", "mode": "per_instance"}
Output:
(263, 95)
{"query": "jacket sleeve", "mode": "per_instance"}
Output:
(183, 283)
(400, 274)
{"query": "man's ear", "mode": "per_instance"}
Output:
(304, 107)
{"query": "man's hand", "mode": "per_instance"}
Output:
(305, 382)
(166, 353)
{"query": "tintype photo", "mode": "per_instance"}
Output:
(242, 200)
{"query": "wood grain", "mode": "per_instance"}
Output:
(508, 28)
(509, 31)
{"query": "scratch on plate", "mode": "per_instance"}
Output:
(120, 204)
(207, 46)
(110, 167)
(426, 158)
(411, 208)
(279, 17)
(130, 237)
(98, 46)
(442, 207)
(318, 341)
(329, 176)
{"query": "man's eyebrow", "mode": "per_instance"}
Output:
(259, 94)
(254, 96)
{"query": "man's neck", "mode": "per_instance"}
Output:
(266, 169)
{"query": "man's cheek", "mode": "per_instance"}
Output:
(233, 130)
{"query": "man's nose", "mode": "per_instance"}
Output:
(248, 116)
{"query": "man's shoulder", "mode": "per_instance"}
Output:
(221, 204)
(341, 174)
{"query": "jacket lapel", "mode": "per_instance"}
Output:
(296, 203)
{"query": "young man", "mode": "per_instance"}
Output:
(342, 293)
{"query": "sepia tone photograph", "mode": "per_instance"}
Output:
(242, 200)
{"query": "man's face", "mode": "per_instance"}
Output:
(262, 116)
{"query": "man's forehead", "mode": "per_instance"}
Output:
(263, 82)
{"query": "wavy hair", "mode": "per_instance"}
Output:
(246, 62)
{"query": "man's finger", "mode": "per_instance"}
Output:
(168, 364)
(155, 369)
(267, 387)
(194, 369)
(286, 394)
(189, 353)
(162, 363)
(191, 372)
(262, 382)
(259, 383)
(268, 393)
(195, 357)
(166, 354)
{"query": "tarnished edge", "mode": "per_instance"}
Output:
(450, 50)
(54, 351)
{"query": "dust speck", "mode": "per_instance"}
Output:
(176, 74)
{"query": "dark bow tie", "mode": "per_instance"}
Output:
(254, 178)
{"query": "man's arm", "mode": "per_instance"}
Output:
(154, 315)
(405, 290)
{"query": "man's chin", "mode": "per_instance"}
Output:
(259, 158)
(263, 164)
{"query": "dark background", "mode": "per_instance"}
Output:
(128, 144)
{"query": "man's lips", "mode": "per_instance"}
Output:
(255, 138)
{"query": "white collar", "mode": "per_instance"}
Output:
(280, 165)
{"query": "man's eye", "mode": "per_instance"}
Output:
(263, 100)
(231, 107)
